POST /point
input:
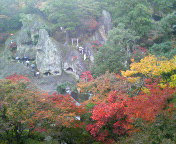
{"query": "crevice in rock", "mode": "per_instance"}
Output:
(47, 73)
(69, 69)
(56, 72)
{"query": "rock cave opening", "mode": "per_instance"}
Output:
(47, 73)
(56, 72)
(31, 59)
(69, 69)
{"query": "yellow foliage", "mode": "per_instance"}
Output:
(162, 85)
(128, 73)
(151, 66)
(133, 79)
(173, 81)
(132, 60)
(145, 90)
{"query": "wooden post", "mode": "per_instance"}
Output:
(84, 56)
(72, 41)
(82, 51)
(77, 42)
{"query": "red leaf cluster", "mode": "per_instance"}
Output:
(111, 114)
(59, 109)
(147, 106)
(120, 111)
(74, 58)
(13, 45)
(87, 76)
(92, 23)
(139, 51)
(40, 129)
(17, 78)
(96, 44)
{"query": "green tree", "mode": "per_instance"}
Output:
(9, 15)
(116, 53)
(136, 14)
(108, 59)
(165, 49)
(68, 13)
(163, 7)
(17, 106)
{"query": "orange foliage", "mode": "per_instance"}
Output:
(27, 108)
(120, 111)
(58, 109)
(17, 78)
(101, 86)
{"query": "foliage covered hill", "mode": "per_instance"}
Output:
(140, 27)
(142, 103)
(135, 102)
(149, 24)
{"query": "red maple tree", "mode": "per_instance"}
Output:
(86, 76)
(15, 78)
(119, 112)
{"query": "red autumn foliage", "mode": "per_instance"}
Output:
(111, 114)
(40, 129)
(96, 44)
(16, 78)
(61, 110)
(150, 83)
(120, 111)
(92, 23)
(139, 51)
(13, 45)
(87, 76)
(147, 106)
(74, 58)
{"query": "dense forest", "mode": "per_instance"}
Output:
(127, 95)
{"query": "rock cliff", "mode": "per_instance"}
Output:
(105, 25)
(50, 55)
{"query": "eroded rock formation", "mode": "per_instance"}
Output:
(49, 54)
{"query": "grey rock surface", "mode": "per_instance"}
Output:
(44, 83)
(27, 37)
(49, 54)
(64, 63)
(107, 21)
(73, 62)
(105, 26)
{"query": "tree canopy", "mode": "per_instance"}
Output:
(131, 84)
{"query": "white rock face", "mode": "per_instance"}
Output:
(49, 54)
(26, 50)
(107, 21)
(73, 62)
(102, 32)
(105, 26)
